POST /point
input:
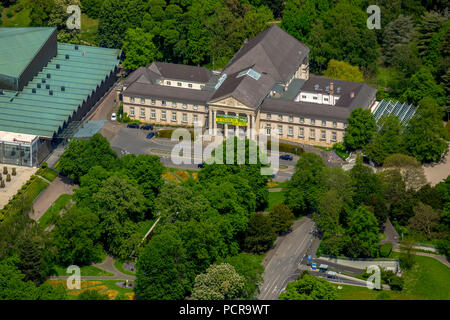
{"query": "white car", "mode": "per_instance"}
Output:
(113, 117)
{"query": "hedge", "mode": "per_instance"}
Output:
(386, 249)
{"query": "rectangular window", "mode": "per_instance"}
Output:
(301, 132)
(142, 100)
(153, 101)
(324, 123)
(326, 99)
(312, 134)
(168, 83)
(163, 115)
(195, 118)
(291, 118)
(303, 96)
(153, 114)
(174, 104)
(131, 99)
(184, 105)
(163, 103)
(302, 120)
(333, 136)
(322, 135)
(280, 117)
(334, 124)
(190, 85)
(131, 111)
(195, 107)
(179, 84)
(280, 130)
(142, 112)
(268, 130)
(313, 121)
(291, 131)
(268, 116)
(184, 117)
(174, 116)
(315, 98)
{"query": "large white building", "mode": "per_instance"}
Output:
(266, 85)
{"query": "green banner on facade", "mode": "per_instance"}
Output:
(232, 120)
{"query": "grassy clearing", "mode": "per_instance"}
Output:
(275, 198)
(89, 29)
(48, 173)
(49, 216)
(429, 279)
(18, 19)
(85, 271)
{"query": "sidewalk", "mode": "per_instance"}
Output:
(58, 187)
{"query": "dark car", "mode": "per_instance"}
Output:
(146, 127)
(150, 135)
(201, 165)
(286, 157)
(133, 125)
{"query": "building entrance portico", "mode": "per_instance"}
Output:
(231, 123)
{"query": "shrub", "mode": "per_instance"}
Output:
(407, 260)
(385, 249)
(2, 184)
(5, 170)
(9, 13)
(286, 147)
(44, 165)
(14, 171)
(396, 283)
(8, 177)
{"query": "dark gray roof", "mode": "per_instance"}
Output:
(314, 110)
(167, 93)
(181, 72)
(273, 51)
(141, 75)
(245, 89)
(363, 94)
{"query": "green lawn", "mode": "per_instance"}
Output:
(429, 279)
(89, 29)
(54, 210)
(85, 271)
(48, 173)
(19, 19)
(275, 198)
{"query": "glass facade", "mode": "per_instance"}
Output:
(18, 154)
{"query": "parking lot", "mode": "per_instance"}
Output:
(130, 140)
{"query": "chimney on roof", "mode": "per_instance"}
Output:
(83, 53)
(352, 95)
(331, 88)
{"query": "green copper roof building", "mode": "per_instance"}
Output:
(45, 85)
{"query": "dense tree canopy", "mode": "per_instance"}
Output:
(309, 287)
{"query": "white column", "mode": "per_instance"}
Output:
(210, 116)
(226, 128)
(249, 118)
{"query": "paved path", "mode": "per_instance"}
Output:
(437, 257)
(438, 172)
(281, 262)
(391, 234)
(56, 188)
(107, 265)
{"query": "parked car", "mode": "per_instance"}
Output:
(133, 125)
(113, 116)
(286, 157)
(147, 127)
(150, 135)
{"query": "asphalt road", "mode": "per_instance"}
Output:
(282, 264)
(127, 140)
